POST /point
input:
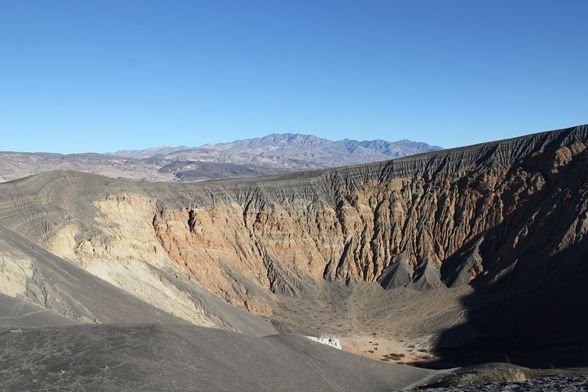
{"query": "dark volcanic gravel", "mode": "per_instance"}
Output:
(557, 383)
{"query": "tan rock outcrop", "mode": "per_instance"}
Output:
(15, 270)
(125, 252)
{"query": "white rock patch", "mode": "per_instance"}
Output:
(327, 340)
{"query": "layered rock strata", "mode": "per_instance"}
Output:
(478, 215)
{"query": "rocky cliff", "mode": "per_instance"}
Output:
(479, 215)
(475, 215)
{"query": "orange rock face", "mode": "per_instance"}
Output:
(424, 231)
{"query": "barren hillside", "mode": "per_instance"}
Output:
(457, 232)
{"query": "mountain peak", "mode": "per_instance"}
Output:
(271, 154)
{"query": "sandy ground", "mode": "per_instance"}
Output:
(392, 326)
(386, 350)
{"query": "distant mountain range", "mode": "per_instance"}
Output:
(272, 154)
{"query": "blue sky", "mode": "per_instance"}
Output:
(107, 75)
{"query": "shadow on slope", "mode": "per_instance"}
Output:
(544, 324)
(531, 298)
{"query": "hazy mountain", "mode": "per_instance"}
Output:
(148, 152)
(297, 151)
(272, 154)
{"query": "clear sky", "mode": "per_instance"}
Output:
(107, 75)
